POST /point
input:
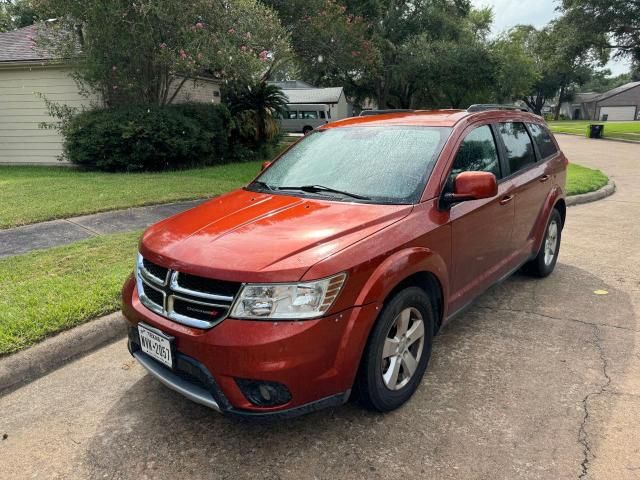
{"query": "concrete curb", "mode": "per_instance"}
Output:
(35, 362)
(606, 191)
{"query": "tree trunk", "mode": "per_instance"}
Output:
(556, 114)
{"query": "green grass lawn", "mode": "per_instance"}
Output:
(583, 180)
(45, 292)
(30, 194)
(613, 130)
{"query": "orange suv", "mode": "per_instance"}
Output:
(332, 271)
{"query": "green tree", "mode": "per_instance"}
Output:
(560, 60)
(256, 104)
(614, 23)
(145, 51)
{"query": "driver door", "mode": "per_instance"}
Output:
(481, 229)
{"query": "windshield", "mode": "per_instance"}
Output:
(370, 164)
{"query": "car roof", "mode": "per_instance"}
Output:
(431, 118)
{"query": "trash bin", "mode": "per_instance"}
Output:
(595, 131)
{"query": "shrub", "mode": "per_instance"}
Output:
(141, 137)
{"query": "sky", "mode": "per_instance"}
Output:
(508, 13)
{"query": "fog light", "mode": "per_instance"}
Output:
(264, 394)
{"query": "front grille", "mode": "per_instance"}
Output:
(156, 270)
(188, 299)
(206, 312)
(207, 285)
(154, 295)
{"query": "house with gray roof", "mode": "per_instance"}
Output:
(299, 92)
(622, 103)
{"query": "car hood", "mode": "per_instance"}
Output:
(250, 237)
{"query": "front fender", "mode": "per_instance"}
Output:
(398, 267)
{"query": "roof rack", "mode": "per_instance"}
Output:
(483, 107)
(365, 113)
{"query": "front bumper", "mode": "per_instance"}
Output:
(316, 360)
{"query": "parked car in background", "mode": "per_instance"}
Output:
(300, 118)
(333, 270)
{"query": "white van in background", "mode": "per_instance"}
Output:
(304, 117)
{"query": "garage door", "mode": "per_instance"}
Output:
(618, 113)
(21, 110)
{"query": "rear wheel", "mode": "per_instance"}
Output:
(547, 257)
(307, 130)
(398, 351)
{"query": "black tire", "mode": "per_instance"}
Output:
(372, 391)
(307, 130)
(540, 266)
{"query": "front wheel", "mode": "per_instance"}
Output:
(547, 257)
(398, 351)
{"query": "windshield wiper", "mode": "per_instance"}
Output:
(322, 188)
(263, 185)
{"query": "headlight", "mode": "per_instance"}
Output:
(287, 301)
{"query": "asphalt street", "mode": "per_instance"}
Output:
(538, 380)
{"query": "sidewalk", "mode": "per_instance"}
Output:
(16, 241)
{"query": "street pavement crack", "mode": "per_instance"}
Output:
(90, 230)
(562, 319)
(583, 435)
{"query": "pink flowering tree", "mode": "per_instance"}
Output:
(144, 51)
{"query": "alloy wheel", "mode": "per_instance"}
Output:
(402, 348)
(551, 242)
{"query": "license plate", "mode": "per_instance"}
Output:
(156, 344)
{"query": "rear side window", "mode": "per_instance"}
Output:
(322, 115)
(292, 115)
(308, 114)
(518, 145)
(543, 140)
(477, 153)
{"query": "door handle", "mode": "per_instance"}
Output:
(544, 178)
(506, 199)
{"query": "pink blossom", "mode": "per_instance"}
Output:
(247, 35)
(264, 55)
(199, 25)
(183, 54)
(115, 87)
(243, 48)
(232, 30)
(163, 45)
(354, 53)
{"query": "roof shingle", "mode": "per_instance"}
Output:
(19, 46)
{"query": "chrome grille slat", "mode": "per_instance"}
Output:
(172, 291)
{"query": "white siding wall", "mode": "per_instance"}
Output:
(21, 110)
(200, 91)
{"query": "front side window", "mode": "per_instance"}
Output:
(518, 145)
(543, 140)
(322, 115)
(292, 115)
(477, 153)
(380, 164)
(309, 114)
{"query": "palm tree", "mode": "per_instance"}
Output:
(261, 99)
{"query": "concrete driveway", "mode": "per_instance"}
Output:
(540, 380)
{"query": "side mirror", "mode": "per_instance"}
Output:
(472, 186)
(266, 165)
